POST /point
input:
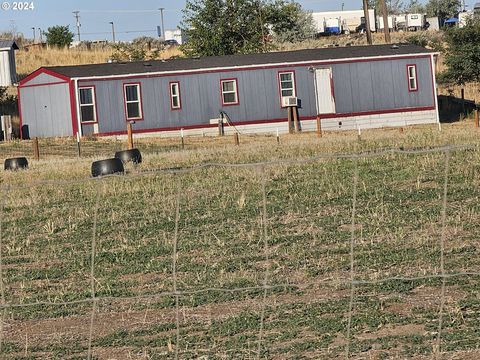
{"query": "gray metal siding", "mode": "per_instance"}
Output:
(381, 85)
(200, 98)
(359, 87)
(46, 110)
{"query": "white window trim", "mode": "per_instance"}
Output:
(93, 103)
(294, 92)
(175, 84)
(235, 91)
(139, 101)
(412, 77)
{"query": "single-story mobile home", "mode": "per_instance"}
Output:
(348, 87)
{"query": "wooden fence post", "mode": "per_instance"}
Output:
(319, 126)
(36, 149)
(236, 139)
(183, 141)
(130, 135)
(476, 118)
(278, 137)
(291, 127)
(79, 151)
(221, 130)
(296, 119)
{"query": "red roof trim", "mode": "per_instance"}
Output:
(42, 71)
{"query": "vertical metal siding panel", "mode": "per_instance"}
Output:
(255, 95)
(382, 85)
(306, 91)
(161, 97)
(61, 116)
(111, 113)
(365, 90)
(208, 86)
(192, 105)
(356, 87)
(342, 83)
(150, 116)
(272, 96)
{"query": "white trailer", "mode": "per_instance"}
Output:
(434, 23)
(391, 22)
(415, 22)
(175, 35)
(349, 20)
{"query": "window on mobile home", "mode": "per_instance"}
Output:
(229, 91)
(133, 101)
(175, 101)
(412, 77)
(88, 112)
(287, 83)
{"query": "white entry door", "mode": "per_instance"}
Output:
(324, 91)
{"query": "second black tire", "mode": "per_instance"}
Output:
(16, 163)
(107, 167)
(132, 155)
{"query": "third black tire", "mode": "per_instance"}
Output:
(107, 167)
(132, 155)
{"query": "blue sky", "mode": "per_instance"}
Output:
(129, 22)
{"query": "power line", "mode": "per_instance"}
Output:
(118, 32)
(125, 11)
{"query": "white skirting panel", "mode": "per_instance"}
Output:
(334, 124)
(375, 121)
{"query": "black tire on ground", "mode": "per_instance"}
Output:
(16, 163)
(107, 167)
(133, 155)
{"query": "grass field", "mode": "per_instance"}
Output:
(248, 258)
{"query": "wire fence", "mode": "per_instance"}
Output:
(258, 260)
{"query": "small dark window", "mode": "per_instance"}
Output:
(175, 101)
(412, 77)
(87, 105)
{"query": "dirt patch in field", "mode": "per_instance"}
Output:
(117, 316)
(389, 330)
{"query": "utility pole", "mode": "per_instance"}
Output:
(385, 21)
(33, 35)
(343, 4)
(367, 22)
(161, 19)
(40, 35)
(113, 31)
(77, 17)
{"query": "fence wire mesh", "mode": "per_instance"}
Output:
(347, 255)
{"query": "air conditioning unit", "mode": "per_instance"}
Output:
(289, 101)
